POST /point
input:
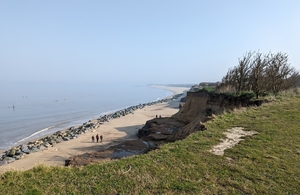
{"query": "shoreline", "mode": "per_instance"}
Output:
(28, 139)
(43, 132)
(128, 125)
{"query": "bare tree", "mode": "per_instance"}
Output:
(228, 82)
(257, 74)
(238, 77)
(293, 80)
(261, 73)
(277, 72)
(243, 71)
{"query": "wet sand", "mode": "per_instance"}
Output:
(114, 132)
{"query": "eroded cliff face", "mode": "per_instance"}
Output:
(194, 107)
(199, 107)
(204, 105)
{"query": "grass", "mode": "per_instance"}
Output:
(267, 163)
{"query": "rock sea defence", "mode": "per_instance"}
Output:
(199, 107)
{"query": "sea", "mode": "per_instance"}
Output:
(31, 111)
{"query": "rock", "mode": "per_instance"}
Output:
(42, 147)
(17, 157)
(27, 151)
(3, 162)
(24, 147)
(66, 138)
(18, 152)
(47, 145)
(12, 152)
(9, 159)
(51, 142)
(89, 125)
(2, 155)
(75, 136)
(151, 145)
(59, 140)
(35, 149)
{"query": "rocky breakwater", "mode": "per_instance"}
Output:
(131, 109)
(44, 143)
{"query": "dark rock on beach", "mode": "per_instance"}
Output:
(11, 153)
(126, 149)
(9, 159)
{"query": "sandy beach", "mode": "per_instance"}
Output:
(113, 132)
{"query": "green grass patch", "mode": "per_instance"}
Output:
(266, 163)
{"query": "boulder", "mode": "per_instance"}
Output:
(42, 147)
(27, 151)
(17, 157)
(18, 152)
(35, 149)
(59, 140)
(47, 145)
(12, 152)
(66, 138)
(51, 142)
(9, 159)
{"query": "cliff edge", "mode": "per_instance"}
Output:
(199, 107)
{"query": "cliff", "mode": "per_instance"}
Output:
(199, 107)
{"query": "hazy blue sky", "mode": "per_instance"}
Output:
(140, 41)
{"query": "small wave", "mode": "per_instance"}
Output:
(40, 131)
(157, 99)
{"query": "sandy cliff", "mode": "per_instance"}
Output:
(199, 107)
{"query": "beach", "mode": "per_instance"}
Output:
(114, 132)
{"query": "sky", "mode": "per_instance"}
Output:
(140, 42)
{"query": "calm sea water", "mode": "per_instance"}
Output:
(34, 110)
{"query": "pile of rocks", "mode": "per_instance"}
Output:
(20, 151)
(131, 109)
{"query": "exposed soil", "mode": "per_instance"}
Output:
(233, 137)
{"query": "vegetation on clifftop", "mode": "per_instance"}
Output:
(267, 163)
(260, 74)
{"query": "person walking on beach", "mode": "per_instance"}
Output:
(101, 137)
(93, 139)
(97, 138)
